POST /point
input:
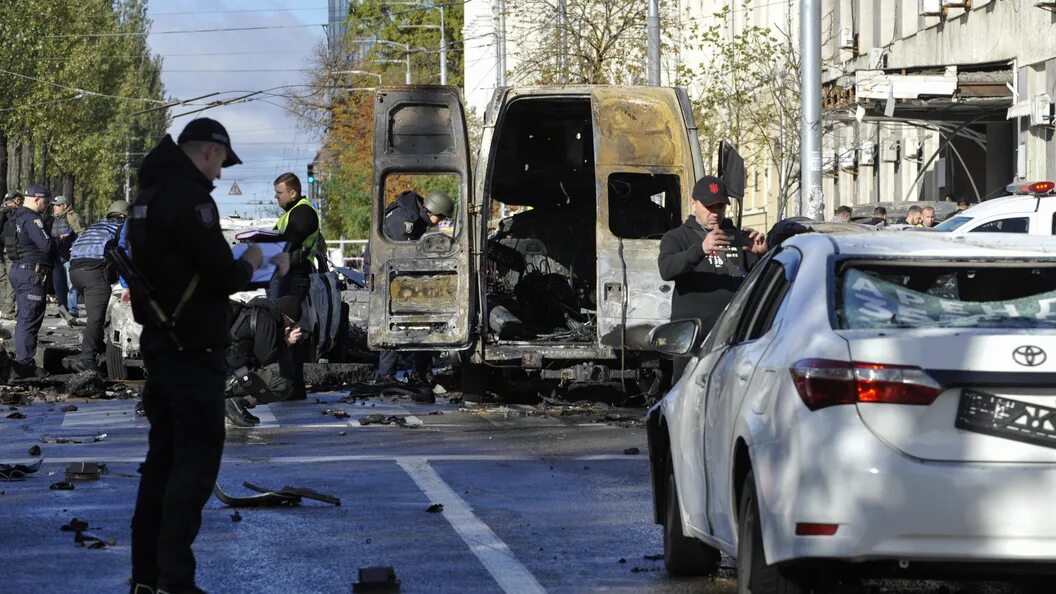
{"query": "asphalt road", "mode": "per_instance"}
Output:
(533, 501)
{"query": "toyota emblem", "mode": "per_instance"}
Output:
(1029, 355)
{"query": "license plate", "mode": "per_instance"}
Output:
(1009, 419)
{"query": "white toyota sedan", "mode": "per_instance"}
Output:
(868, 405)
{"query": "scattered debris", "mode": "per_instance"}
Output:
(400, 420)
(267, 498)
(92, 542)
(236, 517)
(632, 451)
(336, 375)
(17, 472)
(85, 384)
(62, 486)
(622, 560)
(435, 508)
(85, 471)
(439, 390)
(659, 557)
(423, 396)
(75, 525)
(17, 395)
(342, 433)
(46, 439)
(337, 413)
(376, 579)
(34, 450)
(436, 413)
(16, 415)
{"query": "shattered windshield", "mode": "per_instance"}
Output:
(962, 296)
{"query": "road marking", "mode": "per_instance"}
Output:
(266, 416)
(511, 575)
(108, 415)
(360, 458)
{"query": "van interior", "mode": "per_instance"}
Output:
(541, 250)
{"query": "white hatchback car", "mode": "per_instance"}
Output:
(870, 404)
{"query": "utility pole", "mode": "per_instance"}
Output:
(810, 198)
(443, 48)
(499, 8)
(653, 39)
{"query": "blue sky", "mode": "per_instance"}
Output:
(268, 139)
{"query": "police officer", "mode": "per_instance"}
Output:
(707, 257)
(31, 251)
(261, 332)
(407, 219)
(93, 279)
(299, 228)
(175, 241)
(12, 200)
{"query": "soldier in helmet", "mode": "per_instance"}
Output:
(407, 219)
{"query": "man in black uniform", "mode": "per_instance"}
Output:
(31, 251)
(261, 332)
(12, 200)
(299, 228)
(175, 240)
(407, 219)
(707, 257)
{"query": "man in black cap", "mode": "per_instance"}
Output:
(187, 273)
(12, 200)
(31, 251)
(262, 331)
(707, 257)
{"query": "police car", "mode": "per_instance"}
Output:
(1029, 208)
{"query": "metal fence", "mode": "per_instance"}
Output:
(347, 251)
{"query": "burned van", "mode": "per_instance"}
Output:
(547, 272)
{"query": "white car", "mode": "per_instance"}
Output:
(872, 404)
(1029, 208)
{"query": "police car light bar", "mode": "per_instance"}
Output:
(1043, 187)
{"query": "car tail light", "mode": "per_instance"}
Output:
(826, 382)
(811, 529)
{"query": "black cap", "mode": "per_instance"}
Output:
(208, 130)
(290, 307)
(710, 190)
(38, 191)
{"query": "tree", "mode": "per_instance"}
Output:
(579, 42)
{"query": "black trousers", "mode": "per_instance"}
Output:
(93, 285)
(184, 401)
(291, 361)
(420, 362)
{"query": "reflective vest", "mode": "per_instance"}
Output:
(91, 245)
(311, 240)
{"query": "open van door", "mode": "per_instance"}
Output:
(420, 290)
(733, 173)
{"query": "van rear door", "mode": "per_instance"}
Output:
(420, 290)
(645, 163)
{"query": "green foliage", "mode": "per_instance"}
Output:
(79, 101)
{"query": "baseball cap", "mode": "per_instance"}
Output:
(59, 200)
(209, 130)
(37, 190)
(710, 190)
(290, 306)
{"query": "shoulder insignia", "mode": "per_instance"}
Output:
(39, 223)
(206, 214)
(408, 227)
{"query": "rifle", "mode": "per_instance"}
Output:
(118, 258)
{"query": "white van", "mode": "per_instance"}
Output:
(1030, 208)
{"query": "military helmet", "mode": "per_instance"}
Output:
(118, 207)
(439, 203)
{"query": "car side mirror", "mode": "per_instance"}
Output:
(675, 338)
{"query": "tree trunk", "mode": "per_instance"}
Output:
(3, 163)
(26, 176)
(14, 166)
(67, 185)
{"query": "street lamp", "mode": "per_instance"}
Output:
(406, 51)
(443, 34)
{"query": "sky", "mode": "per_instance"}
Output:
(267, 138)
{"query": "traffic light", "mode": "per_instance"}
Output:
(311, 173)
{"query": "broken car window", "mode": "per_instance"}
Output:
(643, 205)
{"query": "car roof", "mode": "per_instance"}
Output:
(1006, 204)
(927, 244)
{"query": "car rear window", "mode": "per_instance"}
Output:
(963, 295)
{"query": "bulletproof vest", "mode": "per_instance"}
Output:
(93, 243)
(10, 234)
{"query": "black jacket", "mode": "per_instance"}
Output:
(704, 283)
(257, 335)
(174, 234)
(34, 243)
(406, 219)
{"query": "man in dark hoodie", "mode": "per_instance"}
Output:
(175, 241)
(707, 257)
(407, 219)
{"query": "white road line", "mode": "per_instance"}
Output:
(106, 416)
(511, 575)
(266, 416)
(361, 458)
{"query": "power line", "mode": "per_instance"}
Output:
(185, 31)
(79, 90)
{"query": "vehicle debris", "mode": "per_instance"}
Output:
(17, 472)
(75, 525)
(97, 438)
(85, 471)
(16, 415)
(62, 486)
(34, 450)
(379, 419)
(337, 413)
(236, 517)
(435, 508)
(376, 579)
(268, 498)
(69, 408)
(632, 451)
(86, 384)
(92, 542)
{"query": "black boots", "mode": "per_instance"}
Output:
(237, 415)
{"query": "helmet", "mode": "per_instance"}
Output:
(439, 203)
(118, 207)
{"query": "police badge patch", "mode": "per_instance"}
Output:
(206, 214)
(408, 227)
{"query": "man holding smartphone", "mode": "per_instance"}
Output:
(707, 257)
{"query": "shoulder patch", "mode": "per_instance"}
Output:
(39, 223)
(408, 227)
(206, 214)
